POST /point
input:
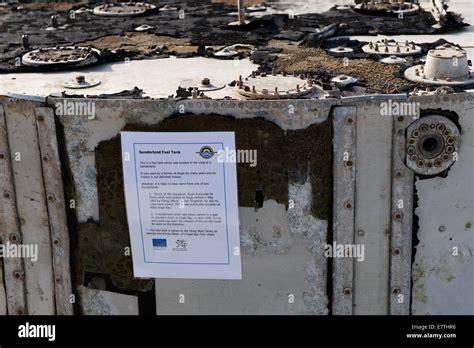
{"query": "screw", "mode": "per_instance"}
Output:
(80, 79)
(26, 43)
(54, 21)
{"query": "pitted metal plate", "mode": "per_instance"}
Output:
(392, 48)
(432, 145)
(123, 9)
(265, 86)
(74, 55)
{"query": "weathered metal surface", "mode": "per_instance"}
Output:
(372, 209)
(282, 260)
(443, 261)
(344, 119)
(402, 222)
(13, 268)
(83, 133)
(53, 183)
(31, 204)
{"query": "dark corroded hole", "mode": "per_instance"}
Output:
(259, 198)
(431, 145)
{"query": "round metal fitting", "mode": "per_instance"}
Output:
(343, 80)
(123, 9)
(341, 50)
(431, 142)
(80, 82)
(234, 50)
(392, 48)
(61, 55)
(393, 60)
(445, 65)
(263, 86)
(203, 85)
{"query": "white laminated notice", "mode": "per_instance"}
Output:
(182, 204)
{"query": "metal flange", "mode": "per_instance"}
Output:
(204, 85)
(80, 82)
(392, 48)
(123, 9)
(341, 50)
(60, 55)
(275, 86)
(343, 80)
(393, 60)
(432, 145)
(445, 65)
(233, 50)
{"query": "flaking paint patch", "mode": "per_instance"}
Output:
(314, 231)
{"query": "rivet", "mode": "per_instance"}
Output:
(347, 291)
(397, 215)
(396, 251)
(360, 233)
(441, 228)
(396, 290)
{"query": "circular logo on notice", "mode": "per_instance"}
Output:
(206, 152)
